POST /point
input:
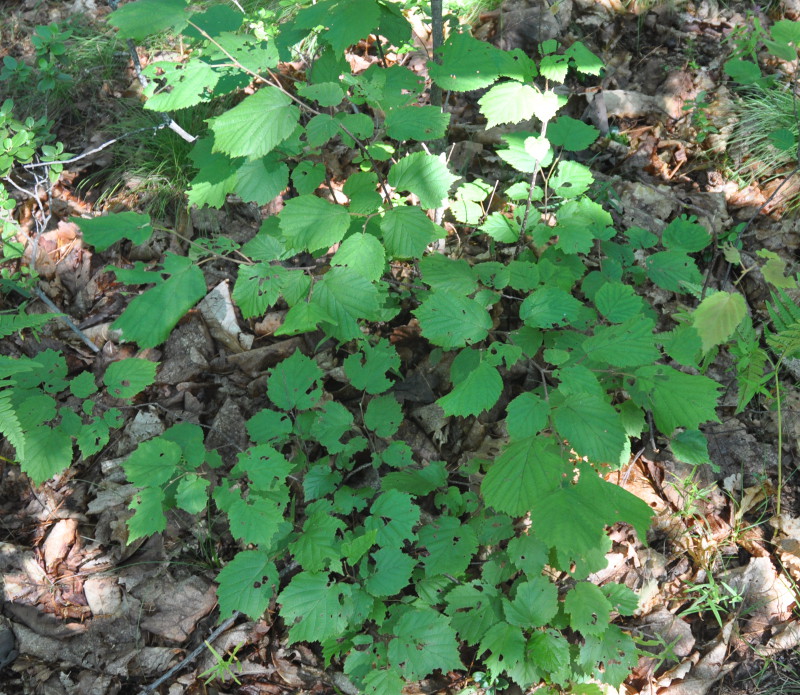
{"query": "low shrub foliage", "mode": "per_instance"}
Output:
(416, 569)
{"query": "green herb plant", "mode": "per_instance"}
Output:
(396, 567)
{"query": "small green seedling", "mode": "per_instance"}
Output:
(223, 669)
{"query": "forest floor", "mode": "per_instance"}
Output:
(716, 545)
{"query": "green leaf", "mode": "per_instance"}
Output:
(360, 188)
(742, 71)
(257, 125)
(548, 307)
(138, 20)
(293, 384)
(583, 59)
(105, 230)
(394, 516)
(247, 584)
(153, 462)
(467, 64)
(473, 608)
(407, 231)
(47, 452)
(448, 274)
(690, 446)
(591, 426)
(149, 318)
(313, 224)
(717, 317)
(354, 20)
(424, 642)
(126, 378)
(330, 425)
(786, 31)
(324, 93)
(416, 481)
(391, 574)
(621, 597)
(450, 321)
(258, 287)
(528, 554)
(571, 134)
(216, 176)
(511, 102)
(148, 514)
(185, 84)
(526, 415)
(534, 605)
(450, 545)
(364, 254)
(307, 176)
(316, 547)
(425, 175)
(192, 493)
(610, 656)
(501, 229)
(628, 344)
(526, 152)
(618, 302)
(261, 180)
(417, 123)
(676, 399)
(303, 318)
(346, 296)
(506, 646)
(672, 270)
(477, 385)
(526, 470)
(588, 608)
(383, 415)
(367, 369)
(312, 608)
(570, 180)
(320, 129)
(684, 234)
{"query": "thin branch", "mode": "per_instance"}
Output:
(66, 319)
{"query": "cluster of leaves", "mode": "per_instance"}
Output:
(402, 562)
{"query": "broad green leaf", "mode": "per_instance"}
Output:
(450, 321)
(192, 493)
(254, 127)
(261, 180)
(186, 84)
(548, 307)
(510, 102)
(356, 547)
(307, 176)
(424, 642)
(105, 230)
(324, 93)
(672, 270)
(394, 516)
(391, 573)
(528, 554)
(742, 71)
(447, 274)
(501, 228)
(571, 134)
(526, 415)
(588, 608)
(591, 426)
(522, 474)
(467, 63)
(425, 175)
(676, 399)
(313, 224)
(547, 656)
(407, 231)
(126, 378)
(149, 318)
(364, 254)
(217, 175)
(316, 547)
(618, 302)
(505, 645)
(148, 514)
(47, 452)
(382, 682)
(683, 345)
(383, 415)
(293, 384)
(303, 317)
(570, 180)
(247, 584)
(255, 520)
(416, 481)
(526, 152)
(312, 608)
(360, 189)
(583, 60)
(685, 234)
(153, 462)
(609, 656)
(621, 597)
(258, 287)
(473, 608)
(215, 20)
(354, 20)
(774, 270)
(450, 546)
(320, 129)
(138, 20)
(786, 31)
(346, 296)
(330, 425)
(783, 139)
(717, 317)
(367, 368)
(417, 123)
(690, 446)
(625, 345)
(534, 605)
(477, 385)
